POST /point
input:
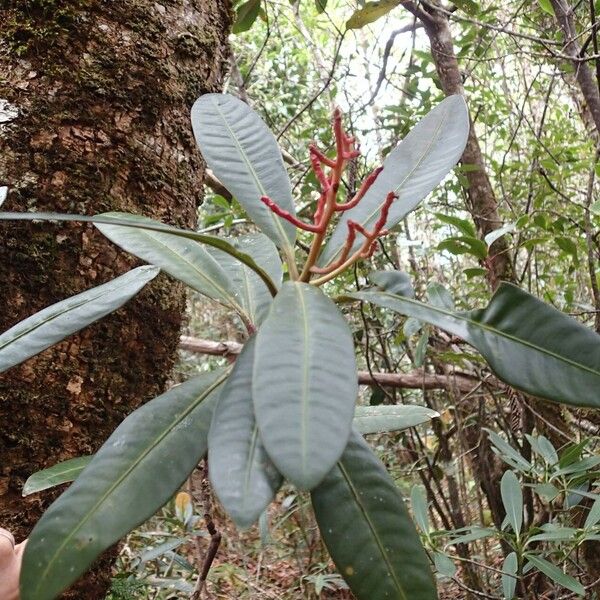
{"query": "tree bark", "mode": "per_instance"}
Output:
(94, 116)
(584, 76)
(483, 205)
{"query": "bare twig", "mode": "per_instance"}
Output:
(416, 379)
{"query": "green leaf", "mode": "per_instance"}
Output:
(182, 258)
(439, 296)
(546, 6)
(371, 12)
(384, 418)
(543, 448)
(412, 170)
(593, 516)
(247, 13)
(419, 505)
(63, 472)
(444, 564)
(476, 533)
(465, 227)
(135, 472)
(512, 498)
(243, 476)
(595, 207)
(474, 272)
(509, 576)
(244, 155)
(395, 282)
(60, 320)
(567, 245)
(556, 574)
(367, 530)
(251, 290)
(546, 490)
(320, 5)
(529, 344)
(464, 245)
(304, 384)
(556, 535)
(130, 220)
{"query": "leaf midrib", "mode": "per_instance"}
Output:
(499, 333)
(305, 379)
(109, 289)
(225, 296)
(203, 395)
(367, 518)
(276, 221)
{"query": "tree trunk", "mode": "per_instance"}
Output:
(94, 116)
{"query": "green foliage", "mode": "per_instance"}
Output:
(136, 471)
(370, 12)
(525, 341)
(286, 409)
(373, 542)
(63, 472)
(51, 325)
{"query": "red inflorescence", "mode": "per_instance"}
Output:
(347, 149)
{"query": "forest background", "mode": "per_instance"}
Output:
(521, 207)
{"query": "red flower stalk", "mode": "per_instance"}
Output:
(318, 170)
(328, 162)
(284, 214)
(343, 256)
(364, 188)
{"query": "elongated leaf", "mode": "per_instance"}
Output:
(242, 474)
(412, 170)
(367, 530)
(507, 452)
(394, 282)
(63, 472)
(130, 220)
(247, 13)
(509, 573)
(244, 155)
(182, 258)
(60, 320)
(444, 564)
(419, 505)
(382, 418)
(512, 498)
(371, 12)
(476, 533)
(304, 383)
(135, 472)
(556, 574)
(251, 290)
(529, 344)
(593, 516)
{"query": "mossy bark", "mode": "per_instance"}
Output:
(94, 116)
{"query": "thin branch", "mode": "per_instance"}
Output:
(417, 379)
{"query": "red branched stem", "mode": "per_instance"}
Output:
(328, 162)
(364, 188)
(284, 214)
(318, 170)
(343, 256)
(385, 211)
(367, 248)
(320, 208)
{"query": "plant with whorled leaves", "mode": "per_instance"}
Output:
(286, 409)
